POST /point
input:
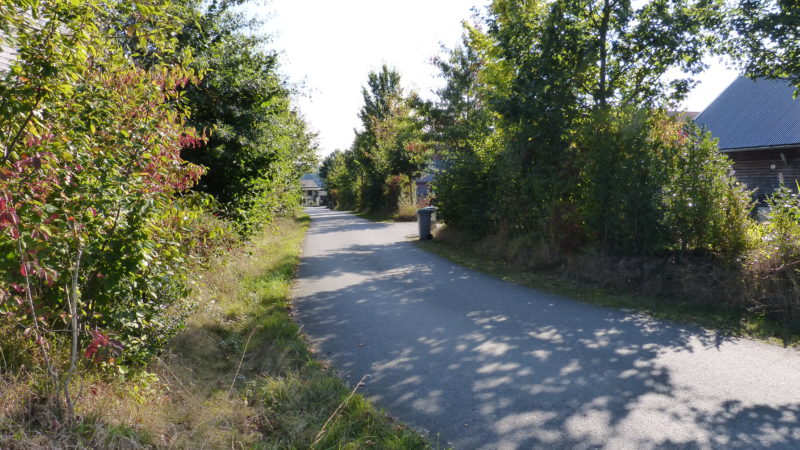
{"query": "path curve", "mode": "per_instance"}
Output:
(483, 363)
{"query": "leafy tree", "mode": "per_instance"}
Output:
(258, 145)
(767, 38)
(551, 63)
(327, 164)
(91, 212)
(459, 127)
(634, 48)
(390, 142)
(551, 126)
(339, 171)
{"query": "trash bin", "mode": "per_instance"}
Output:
(426, 218)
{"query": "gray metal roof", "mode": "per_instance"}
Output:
(312, 179)
(309, 184)
(753, 113)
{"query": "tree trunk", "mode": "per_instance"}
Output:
(602, 94)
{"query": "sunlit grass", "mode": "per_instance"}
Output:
(239, 376)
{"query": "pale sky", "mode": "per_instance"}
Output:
(330, 46)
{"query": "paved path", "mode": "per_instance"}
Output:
(487, 364)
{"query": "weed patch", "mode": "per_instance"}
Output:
(238, 376)
(689, 291)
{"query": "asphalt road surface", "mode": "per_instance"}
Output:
(477, 362)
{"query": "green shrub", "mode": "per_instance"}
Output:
(94, 227)
(783, 226)
(705, 207)
(338, 171)
(258, 145)
(625, 173)
(465, 195)
(654, 184)
(771, 268)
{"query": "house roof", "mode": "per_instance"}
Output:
(309, 184)
(753, 114)
(311, 180)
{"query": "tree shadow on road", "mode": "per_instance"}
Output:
(515, 368)
(328, 221)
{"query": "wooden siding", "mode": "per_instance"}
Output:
(755, 169)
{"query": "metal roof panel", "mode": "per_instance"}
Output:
(754, 113)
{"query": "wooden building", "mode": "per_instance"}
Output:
(757, 123)
(314, 193)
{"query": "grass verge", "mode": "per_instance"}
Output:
(406, 213)
(375, 216)
(743, 323)
(239, 376)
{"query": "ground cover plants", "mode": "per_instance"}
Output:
(239, 375)
(94, 191)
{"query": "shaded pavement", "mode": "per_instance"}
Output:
(483, 363)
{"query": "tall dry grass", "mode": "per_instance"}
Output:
(238, 376)
(759, 294)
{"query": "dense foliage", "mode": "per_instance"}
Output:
(552, 124)
(766, 38)
(339, 170)
(554, 130)
(387, 153)
(258, 145)
(652, 184)
(98, 223)
(460, 125)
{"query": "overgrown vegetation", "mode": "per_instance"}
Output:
(376, 174)
(259, 143)
(95, 205)
(239, 375)
(104, 108)
(560, 157)
(143, 144)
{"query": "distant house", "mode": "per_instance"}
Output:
(425, 181)
(757, 123)
(424, 185)
(314, 193)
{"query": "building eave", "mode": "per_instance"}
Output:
(761, 148)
